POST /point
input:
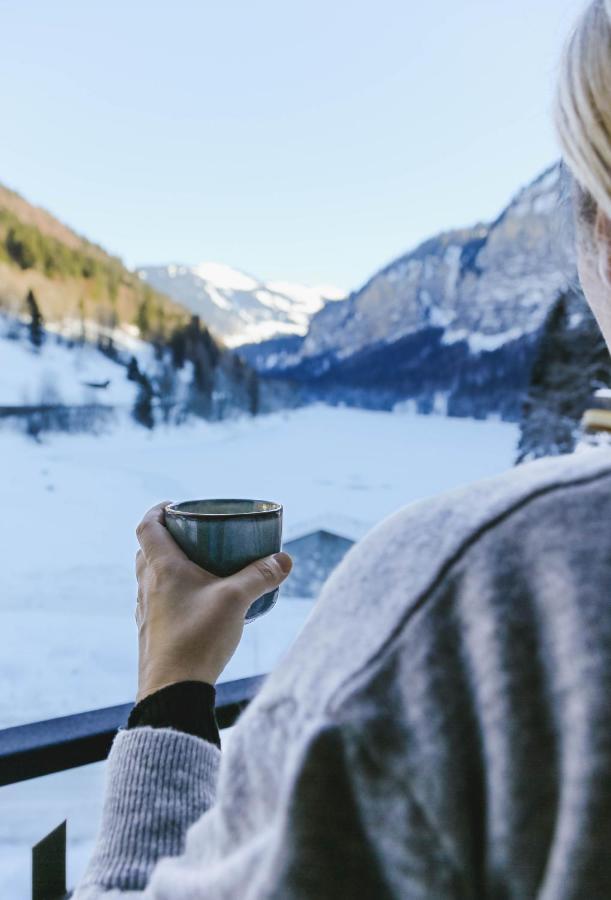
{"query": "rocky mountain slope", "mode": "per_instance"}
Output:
(452, 325)
(238, 308)
(486, 285)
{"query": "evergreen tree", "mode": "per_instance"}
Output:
(143, 317)
(21, 248)
(252, 387)
(113, 316)
(166, 388)
(133, 370)
(81, 314)
(36, 323)
(161, 321)
(143, 407)
(178, 348)
(106, 345)
(571, 363)
(199, 396)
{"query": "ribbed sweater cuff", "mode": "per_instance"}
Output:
(184, 706)
(159, 782)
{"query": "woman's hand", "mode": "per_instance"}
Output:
(189, 621)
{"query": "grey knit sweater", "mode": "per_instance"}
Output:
(440, 729)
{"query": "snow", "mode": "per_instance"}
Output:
(454, 335)
(440, 403)
(441, 317)
(479, 342)
(238, 307)
(225, 277)
(57, 374)
(79, 498)
(126, 338)
(273, 300)
(62, 373)
(67, 589)
(218, 298)
(311, 299)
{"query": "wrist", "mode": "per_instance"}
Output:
(154, 681)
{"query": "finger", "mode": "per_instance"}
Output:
(259, 577)
(154, 537)
(140, 563)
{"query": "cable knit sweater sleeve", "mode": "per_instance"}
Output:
(149, 805)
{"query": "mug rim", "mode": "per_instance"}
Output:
(172, 509)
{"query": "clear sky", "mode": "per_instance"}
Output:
(309, 140)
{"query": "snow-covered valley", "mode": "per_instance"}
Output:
(67, 585)
(68, 542)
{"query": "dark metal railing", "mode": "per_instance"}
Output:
(41, 748)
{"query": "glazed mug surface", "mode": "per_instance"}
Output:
(225, 535)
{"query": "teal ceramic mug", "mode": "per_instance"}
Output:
(223, 536)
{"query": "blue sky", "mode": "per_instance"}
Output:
(310, 141)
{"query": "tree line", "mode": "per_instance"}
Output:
(192, 374)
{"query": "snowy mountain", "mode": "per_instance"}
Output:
(239, 308)
(452, 324)
(487, 285)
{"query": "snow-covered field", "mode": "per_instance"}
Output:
(67, 587)
(58, 373)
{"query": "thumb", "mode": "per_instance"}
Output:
(259, 577)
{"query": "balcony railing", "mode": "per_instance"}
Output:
(41, 748)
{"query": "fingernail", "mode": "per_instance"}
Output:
(284, 561)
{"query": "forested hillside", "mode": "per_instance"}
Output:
(61, 294)
(572, 362)
(75, 281)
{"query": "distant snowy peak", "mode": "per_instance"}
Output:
(238, 307)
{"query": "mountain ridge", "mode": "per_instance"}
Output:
(448, 319)
(75, 280)
(44, 220)
(471, 281)
(239, 307)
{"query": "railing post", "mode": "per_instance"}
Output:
(49, 866)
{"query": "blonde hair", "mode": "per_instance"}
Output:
(583, 106)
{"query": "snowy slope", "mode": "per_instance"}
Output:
(339, 468)
(237, 307)
(57, 373)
